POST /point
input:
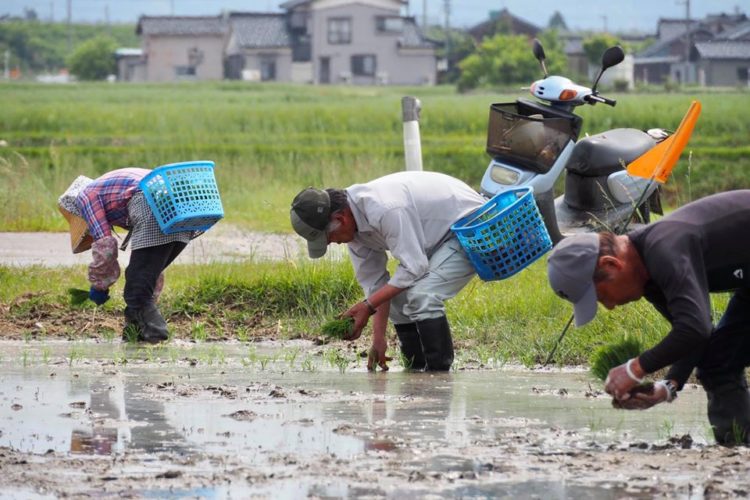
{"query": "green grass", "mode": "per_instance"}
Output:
(512, 320)
(269, 141)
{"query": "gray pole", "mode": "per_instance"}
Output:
(70, 20)
(410, 108)
(447, 6)
(424, 14)
(6, 67)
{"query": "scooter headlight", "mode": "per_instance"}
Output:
(503, 175)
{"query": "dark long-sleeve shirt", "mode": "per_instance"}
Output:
(695, 250)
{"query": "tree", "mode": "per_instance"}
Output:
(505, 59)
(556, 22)
(94, 59)
(595, 46)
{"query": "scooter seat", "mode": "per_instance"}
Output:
(602, 154)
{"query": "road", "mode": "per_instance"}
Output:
(223, 243)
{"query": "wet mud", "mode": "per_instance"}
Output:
(295, 420)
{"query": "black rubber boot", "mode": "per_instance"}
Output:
(437, 345)
(411, 348)
(729, 408)
(147, 322)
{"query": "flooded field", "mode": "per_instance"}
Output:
(296, 420)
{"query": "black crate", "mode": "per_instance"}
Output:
(528, 136)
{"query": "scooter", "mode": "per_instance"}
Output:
(532, 142)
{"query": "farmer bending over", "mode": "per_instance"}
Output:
(92, 208)
(674, 263)
(410, 215)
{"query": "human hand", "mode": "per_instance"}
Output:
(621, 379)
(361, 314)
(642, 400)
(98, 297)
(376, 355)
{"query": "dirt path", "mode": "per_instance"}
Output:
(221, 244)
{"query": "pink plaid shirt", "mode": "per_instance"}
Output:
(104, 202)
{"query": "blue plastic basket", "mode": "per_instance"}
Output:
(505, 235)
(183, 196)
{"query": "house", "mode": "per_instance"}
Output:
(725, 60)
(129, 64)
(182, 48)
(684, 51)
(314, 41)
(259, 48)
(360, 42)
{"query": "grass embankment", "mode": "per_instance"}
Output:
(268, 142)
(517, 319)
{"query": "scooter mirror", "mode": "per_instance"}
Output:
(612, 57)
(538, 51)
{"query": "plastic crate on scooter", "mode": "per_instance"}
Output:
(183, 196)
(521, 133)
(505, 235)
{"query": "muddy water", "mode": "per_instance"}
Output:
(285, 421)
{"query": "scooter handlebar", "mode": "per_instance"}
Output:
(593, 99)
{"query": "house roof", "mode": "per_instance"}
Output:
(291, 4)
(739, 32)
(412, 36)
(128, 52)
(518, 26)
(182, 25)
(661, 48)
(724, 49)
(260, 30)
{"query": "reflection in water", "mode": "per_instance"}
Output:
(96, 412)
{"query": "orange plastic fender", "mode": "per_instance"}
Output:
(657, 163)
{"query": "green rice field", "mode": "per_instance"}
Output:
(268, 142)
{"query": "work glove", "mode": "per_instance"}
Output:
(98, 297)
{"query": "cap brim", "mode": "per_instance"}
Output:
(585, 309)
(317, 248)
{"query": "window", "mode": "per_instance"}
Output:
(339, 30)
(363, 65)
(184, 70)
(389, 24)
(742, 74)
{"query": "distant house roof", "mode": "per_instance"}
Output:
(412, 36)
(175, 26)
(739, 32)
(128, 52)
(291, 4)
(662, 48)
(517, 26)
(724, 49)
(668, 29)
(259, 30)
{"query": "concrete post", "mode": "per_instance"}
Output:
(410, 108)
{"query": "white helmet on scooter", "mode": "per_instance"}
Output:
(526, 138)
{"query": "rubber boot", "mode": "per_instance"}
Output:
(148, 322)
(729, 408)
(437, 345)
(411, 348)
